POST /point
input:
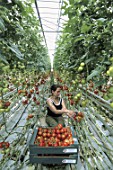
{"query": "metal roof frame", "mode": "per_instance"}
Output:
(50, 17)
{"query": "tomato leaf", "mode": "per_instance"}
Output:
(2, 58)
(90, 59)
(101, 19)
(85, 28)
(15, 49)
(95, 72)
(2, 26)
(79, 38)
(112, 42)
(99, 83)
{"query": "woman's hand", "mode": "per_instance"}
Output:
(70, 113)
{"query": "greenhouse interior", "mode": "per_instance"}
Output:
(56, 85)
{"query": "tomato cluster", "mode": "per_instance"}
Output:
(56, 136)
(4, 104)
(30, 116)
(78, 116)
(4, 145)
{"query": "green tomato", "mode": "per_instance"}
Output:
(82, 64)
(84, 103)
(108, 73)
(111, 59)
(80, 68)
(79, 95)
(2, 110)
(111, 104)
(83, 81)
(5, 90)
(75, 98)
(111, 69)
(73, 82)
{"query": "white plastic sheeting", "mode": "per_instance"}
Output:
(52, 20)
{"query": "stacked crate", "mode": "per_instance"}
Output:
(54, 155)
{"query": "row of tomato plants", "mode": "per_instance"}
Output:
(28, 93)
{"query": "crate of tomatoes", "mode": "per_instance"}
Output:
(54, 145)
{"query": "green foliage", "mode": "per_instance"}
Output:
(2, 58)
(2, 26)
(87, 37)
(20, 35)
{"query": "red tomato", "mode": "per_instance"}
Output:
(63, 136)
(57, 139)
(53, 130)
(37, 102)
(59, 136)
(72, 142)
(64, 144)
(38, 137)
(36, 88)
(49, 130)
(44, 134)
(69, 136)
(42, 144)
(64, 129)
(50, 143)
(80, 114)
(48, 135)
(4, 145)
(96, 91)
(59, 126)
(53, 135)
(67, 141)
(30, 116)
(0, 144)
(55, 144)
(45, 130)
(41, 140)
(57, 131)
(60, 143)
(37, 92)
(66, 134)
(34, 98)
(45, 139)
(40, 133)
(52, 138)
(39, 129)
(7, 145)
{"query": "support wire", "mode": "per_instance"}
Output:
(40, 21)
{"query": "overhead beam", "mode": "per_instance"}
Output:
(48, 1)
(49, 13)
(40, 21)
(60, 13)
(50, 17)
(48, 27)
(48, 7)
(53, 31)
(50, 22)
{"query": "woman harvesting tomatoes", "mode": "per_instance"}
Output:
(56, 107)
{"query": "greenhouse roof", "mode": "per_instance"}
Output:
(51, 19)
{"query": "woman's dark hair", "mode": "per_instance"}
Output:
(54, 87)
